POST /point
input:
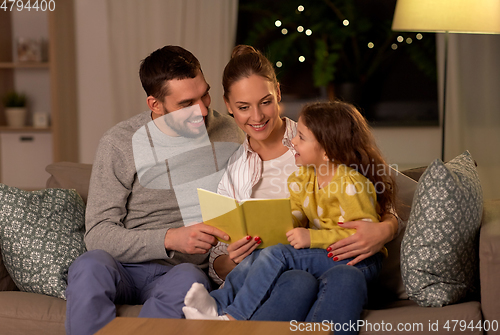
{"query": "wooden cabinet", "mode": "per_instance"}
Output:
(52, 82)
(24, 156)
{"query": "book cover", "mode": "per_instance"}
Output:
(269, 219)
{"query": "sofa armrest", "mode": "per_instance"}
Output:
(489, 260)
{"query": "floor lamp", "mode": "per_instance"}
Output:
(447, 16)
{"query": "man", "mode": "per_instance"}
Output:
(142, 248)
(143, 232)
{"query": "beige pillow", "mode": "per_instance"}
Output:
(389, 285)
(70, 176)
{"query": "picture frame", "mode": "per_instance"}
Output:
(30, 49)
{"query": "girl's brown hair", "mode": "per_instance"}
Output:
(345, 136)
(246, 61)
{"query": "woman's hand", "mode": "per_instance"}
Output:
(299, 238)
(237, 252)
(240, 249)
(369, 239)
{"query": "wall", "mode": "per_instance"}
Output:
(94, 91)
(406, 147)
(104, 97)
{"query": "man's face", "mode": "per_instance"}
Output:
(186, 106)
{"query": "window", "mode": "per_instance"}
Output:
(346, 49)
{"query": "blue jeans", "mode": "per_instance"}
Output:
(283, 306)
(96, 282)
(338, 296)
(249, 285)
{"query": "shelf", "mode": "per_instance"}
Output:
(6, 129)
(26, 65)
(52, 81)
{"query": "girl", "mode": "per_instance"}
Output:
(341, 177)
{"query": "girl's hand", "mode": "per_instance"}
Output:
(242, 248)
(369, 239)
(299, 238)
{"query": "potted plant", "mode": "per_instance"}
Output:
(15, 109)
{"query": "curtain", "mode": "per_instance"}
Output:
(137, 28)
(473, 103)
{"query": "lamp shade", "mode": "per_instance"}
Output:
(456, 16)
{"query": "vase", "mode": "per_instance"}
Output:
(16, 116)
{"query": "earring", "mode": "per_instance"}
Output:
(325, 158)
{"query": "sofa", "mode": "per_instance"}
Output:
(389, 311)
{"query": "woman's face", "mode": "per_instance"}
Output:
(253, 101)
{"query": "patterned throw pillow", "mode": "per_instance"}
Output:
(439, 258)
(41, 234)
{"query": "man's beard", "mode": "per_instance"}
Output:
(183, 129)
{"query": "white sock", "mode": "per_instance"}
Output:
(192, 313)
(198, 298)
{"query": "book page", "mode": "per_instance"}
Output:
(270, 219)
(223, 213)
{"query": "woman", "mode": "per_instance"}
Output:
(260, 168)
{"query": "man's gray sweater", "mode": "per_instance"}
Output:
(128, 219)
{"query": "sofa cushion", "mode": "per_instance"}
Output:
(29, 313)
(6, 283)
(439, 258)
(405, 317)
(41, 234)
(70, 176)
(389, 285)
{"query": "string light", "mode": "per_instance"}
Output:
(400, 39)
(279, 64)
(394, 46)
(419, 36)
(309, 32)
(300, 8)
(371, 45)
(284, 31)
(409, 40)
(300, 29)
(277, 23)
(302, 59)
(345, 22)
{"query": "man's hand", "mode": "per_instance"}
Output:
(299, 238)
(195, 239)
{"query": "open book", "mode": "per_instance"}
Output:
(269, 219)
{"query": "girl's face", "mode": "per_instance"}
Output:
(253, 101)
(309, 151)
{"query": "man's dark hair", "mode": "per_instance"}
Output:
(167, 63)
